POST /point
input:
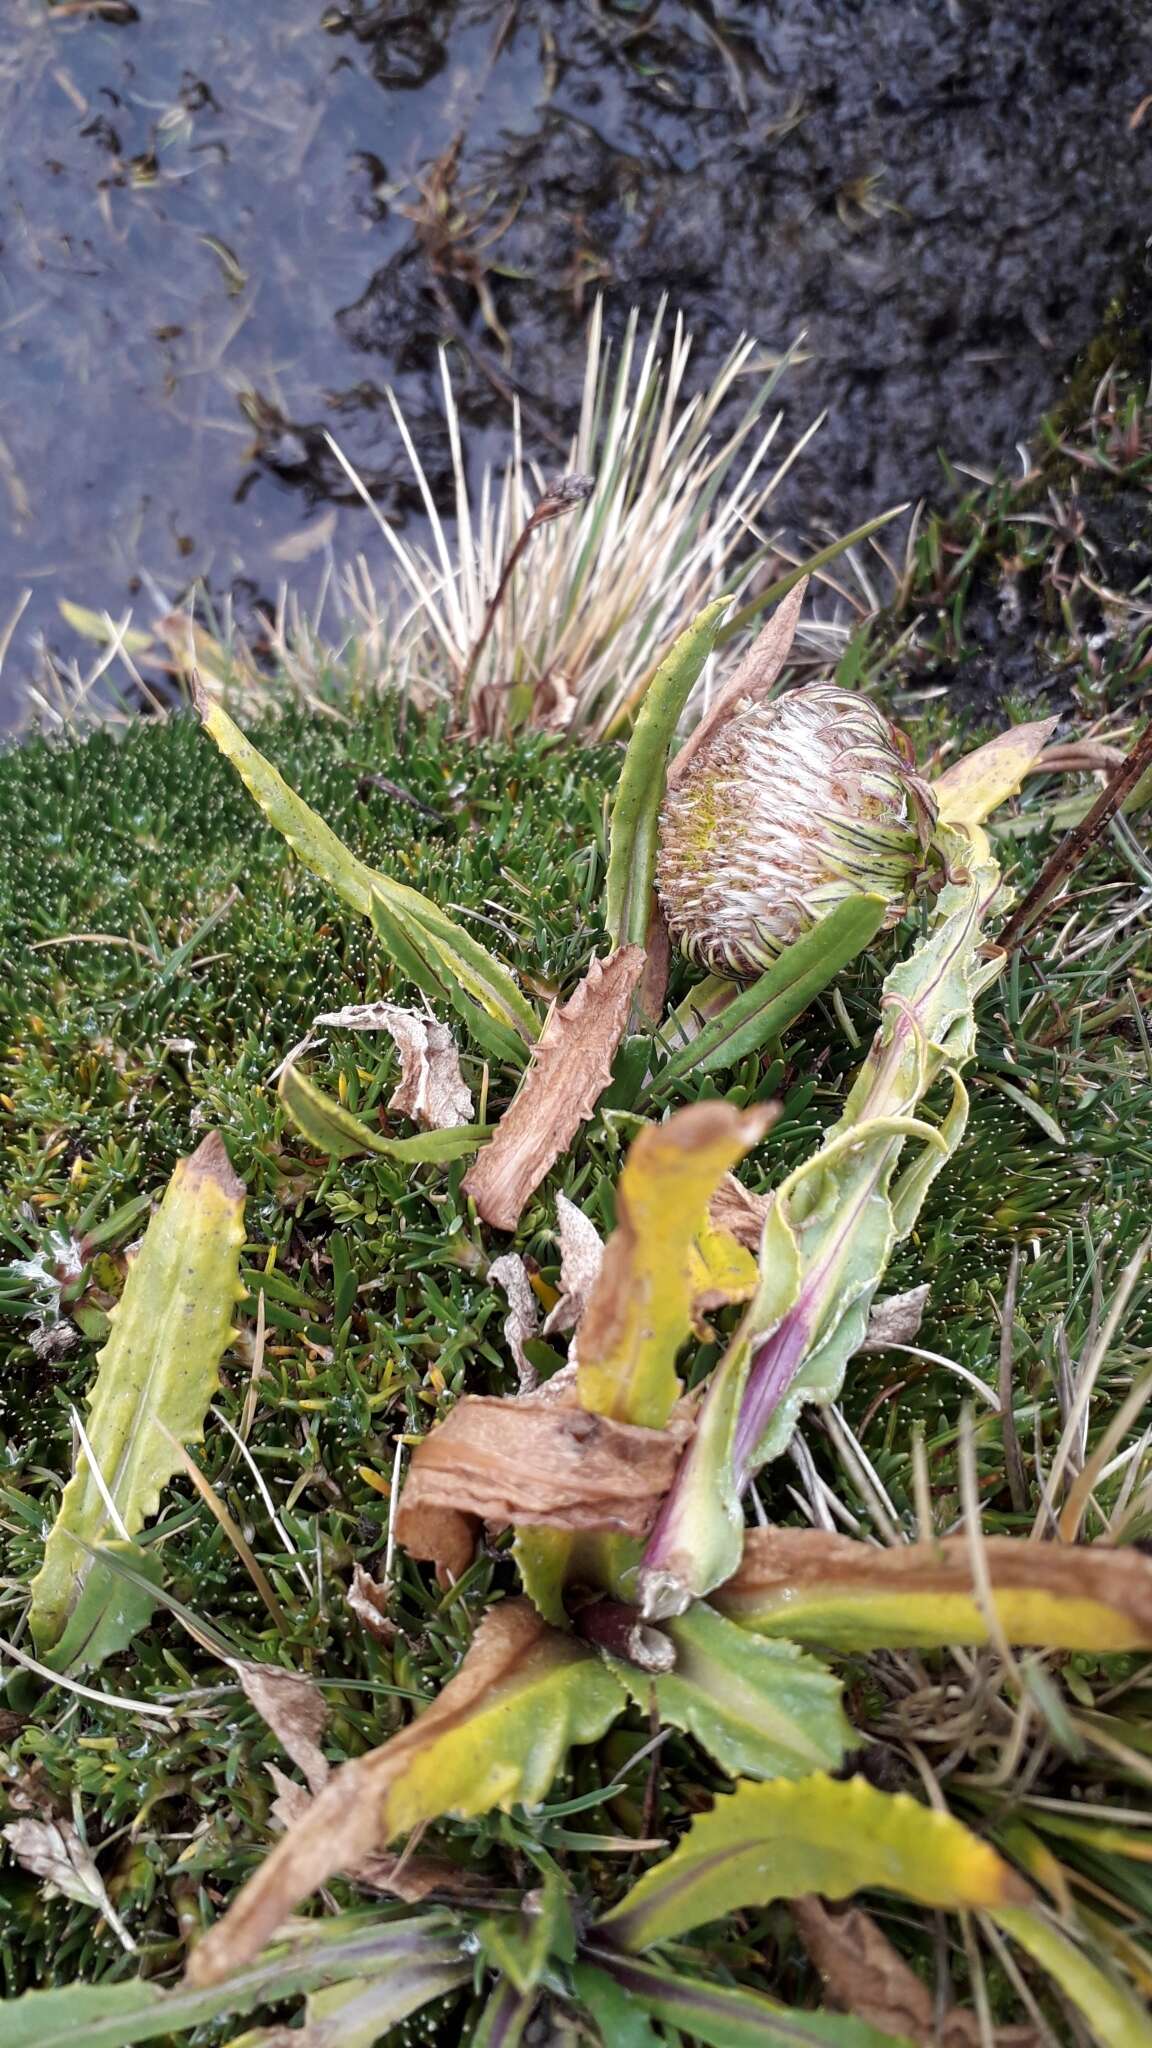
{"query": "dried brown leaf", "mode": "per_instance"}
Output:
(571, 1067)
(369, 1601)
(294, 1710)
(581, 1253)
(735, 1209)
(52, 1850)
(896, 1320)
(432, 1090)
(402, 1876)
(522, 1322)
(752, 678)
(355, 1814)
(867, 1977)
(539, 1462)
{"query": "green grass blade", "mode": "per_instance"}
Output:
(1114, 2016)
(158, 1372)
(764, 599)
(334, 1130)
(760, 1013)
(640, 792)
(315, 843)
(411, 948)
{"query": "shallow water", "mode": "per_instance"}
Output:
(208, 254)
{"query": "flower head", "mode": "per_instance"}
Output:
(788, 808)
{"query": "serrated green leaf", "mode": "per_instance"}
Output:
(722, 2015)
(410, 948)
(829, 1835)
(109, 1611)
(495, 1737)
(640, 790)
(413, 1952)
(1115, 2017)
(765, 1717)
(157, 1374)
(334, 1130)
(761, 1012)
(312, 841)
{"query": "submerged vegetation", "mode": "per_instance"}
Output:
(594, 1694)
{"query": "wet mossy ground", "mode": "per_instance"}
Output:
(162, 951)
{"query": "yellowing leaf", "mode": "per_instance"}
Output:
(970, 790)
(93, 626)
(827, 1835)
(496, 1736)
(813, 1587)
(1115, 2017)
(158, 1372)
(722, 1270)
(640, 1310)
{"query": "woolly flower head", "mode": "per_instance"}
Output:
(783, 812)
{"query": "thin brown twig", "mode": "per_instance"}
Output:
(561, 496)
(1013, 1462)
(1076, 843)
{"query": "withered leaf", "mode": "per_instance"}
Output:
(571, 1067)
(431, 1090)
(52, 1850)
(522, 1322)
(402, 1876)
(581, 1253)
(294, 1710)
(752, 678)
(895, 1320)
(867, 1977)
(816, 1587)
(736, 1209)
(369, 1601)
(468, 1751)
(540, 1462)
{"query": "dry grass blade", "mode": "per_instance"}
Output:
(867, 1977)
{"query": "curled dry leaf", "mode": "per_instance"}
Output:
(52, 1850)
(496, 1734)
(370, 1601)
(895, 1320)
(294, 1710)
(814, 1587)
(540, 1462)
(571, 1067)
(432, 1090)
(737, 1210)
(522, 1322)
(867, 1977)
(581, 1253)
